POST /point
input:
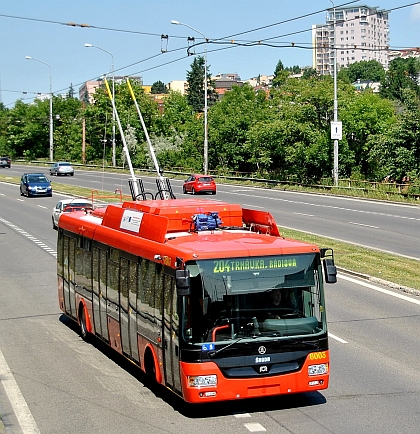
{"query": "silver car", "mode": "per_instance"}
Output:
(68, 205)
(61, 168)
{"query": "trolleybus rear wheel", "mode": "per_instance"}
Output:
(82, 322)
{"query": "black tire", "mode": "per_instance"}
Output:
(193, 191)
(53, 223)
(149, 365)
(184, 191)
(82, 321)
(71, 174)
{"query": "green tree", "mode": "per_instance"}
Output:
(402, 74)
(158, 87)
(364, 115)
(396, 151)
(99, 126)
(27, 134)
(370, 70)
(309, 73)
(4, 122)
(175, 116)
(67, 129)
(229, 122)
(280, 74)
(196, 85)
(71, 93)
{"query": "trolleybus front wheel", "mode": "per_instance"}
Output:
(149, 366)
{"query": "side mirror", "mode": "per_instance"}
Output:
(330, 270)
(182, 279)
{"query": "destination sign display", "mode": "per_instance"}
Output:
(251, 264)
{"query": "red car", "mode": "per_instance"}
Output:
(199, 184)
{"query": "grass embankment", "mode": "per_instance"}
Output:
(396, 269)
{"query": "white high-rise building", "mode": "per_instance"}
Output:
(356, 33)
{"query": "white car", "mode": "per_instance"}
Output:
(68, 205)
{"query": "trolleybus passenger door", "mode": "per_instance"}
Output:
(70, 276)
(170, 325)
(66, 277)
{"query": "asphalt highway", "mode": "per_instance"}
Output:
(52, 381)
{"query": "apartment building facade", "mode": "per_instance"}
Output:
(353, 34)
(87, 89)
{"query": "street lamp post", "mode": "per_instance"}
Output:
(114, 160)
(205, 158)
(335, 168)
(51, 116)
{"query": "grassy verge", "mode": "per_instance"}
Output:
(392, 268)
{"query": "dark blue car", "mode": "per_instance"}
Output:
(35, 184)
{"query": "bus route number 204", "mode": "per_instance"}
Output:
(232, 265)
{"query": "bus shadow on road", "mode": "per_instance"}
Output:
(251, 405)
(204, 410)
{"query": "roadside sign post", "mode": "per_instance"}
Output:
(336, 135)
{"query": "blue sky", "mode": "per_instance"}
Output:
(131, 30)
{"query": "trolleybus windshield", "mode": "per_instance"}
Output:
(259, 297)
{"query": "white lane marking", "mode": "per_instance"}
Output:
(302, 213)
(375, 288)
(383, 290)
(30, 237)
(354, 244)
(271, 199)
(20, 407)
(239, 415)
(253, 206)
(254, 427)
(42, 206)
(330, 335)
(20, 200)
(366, 226)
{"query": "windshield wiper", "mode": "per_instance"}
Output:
(213, 353)
(295, 341)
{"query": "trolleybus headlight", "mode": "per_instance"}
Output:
(318, 369)
(202, 380)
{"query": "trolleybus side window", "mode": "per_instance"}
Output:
(102, 272)
(124, 283)
(147, 290)
(112, 283)
(132, 294)
(83, 262)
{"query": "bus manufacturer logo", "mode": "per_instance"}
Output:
(263, 368)
(262, 349)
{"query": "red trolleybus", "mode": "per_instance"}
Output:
(204, 296)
